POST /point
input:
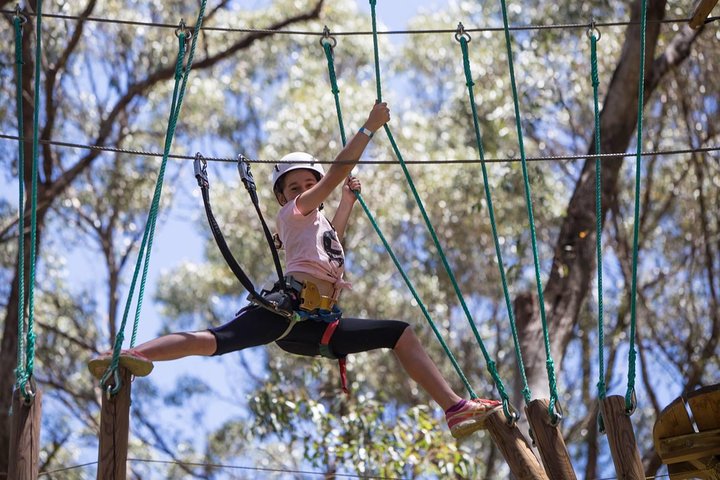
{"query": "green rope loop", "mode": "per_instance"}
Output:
(531, 219)
(491, 367)
(632, 354)
(181, 79)
(491, 210)
(373, 222)
(602, 389)
(20, 374)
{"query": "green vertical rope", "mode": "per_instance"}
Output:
(334, 87)
(143, 256)
(602, 390)
(30, 340)
(20, 374)
(491, 210)
(376, 54)
(336, 92)
(172, 124)
(492, 368)
(549, 364)
(148, 236)
(632, 354)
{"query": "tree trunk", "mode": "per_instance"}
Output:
(574, 263)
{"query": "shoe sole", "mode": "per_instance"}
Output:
(463, 429)
(137, 366)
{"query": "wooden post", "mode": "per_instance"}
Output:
(114, 425)
(25, 437)
(702, 10)
(523, 463)
(621, 437)
(549, 441)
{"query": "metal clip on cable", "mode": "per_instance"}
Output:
(461, 33)
(247, 177)
(200, 166)
(18, 14)
(182, 28)
(593, 31)
(327, 39)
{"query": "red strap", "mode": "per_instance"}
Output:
(325, 340)
(329, 330)
(343, 375)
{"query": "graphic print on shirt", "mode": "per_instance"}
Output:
(332, 247)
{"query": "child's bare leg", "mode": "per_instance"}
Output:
(423, 370)
(178, 345)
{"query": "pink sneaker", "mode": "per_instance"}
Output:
(137, 363)
(470, 417)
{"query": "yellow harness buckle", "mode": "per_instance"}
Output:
(311, 300)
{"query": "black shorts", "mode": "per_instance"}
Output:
(255, 326)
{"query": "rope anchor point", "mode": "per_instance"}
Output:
(461, 33)
(18, 15)
(592, 31)
(183, 29)
(327, 39)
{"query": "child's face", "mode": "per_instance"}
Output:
(296, 182)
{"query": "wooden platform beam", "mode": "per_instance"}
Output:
(549, 441)
(114, 426)
(25, 437)
(690, 444)
(701, 13)
(523, 463)
(621, 437)
(683, 448)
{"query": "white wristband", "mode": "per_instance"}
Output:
(366, 132)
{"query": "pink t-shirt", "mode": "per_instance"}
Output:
(311, 245)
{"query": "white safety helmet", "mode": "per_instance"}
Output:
(304, 160)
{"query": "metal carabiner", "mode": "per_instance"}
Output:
(245, 174)
(461, 33)
(200, 167)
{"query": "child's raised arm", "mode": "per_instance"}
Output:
(344, 162)
(347, 201)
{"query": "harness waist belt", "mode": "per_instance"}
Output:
(311, 299)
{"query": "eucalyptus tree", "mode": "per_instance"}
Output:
(106, 85)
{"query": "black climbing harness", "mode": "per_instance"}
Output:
(297, 301)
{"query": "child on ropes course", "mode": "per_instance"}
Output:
(315, 260)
